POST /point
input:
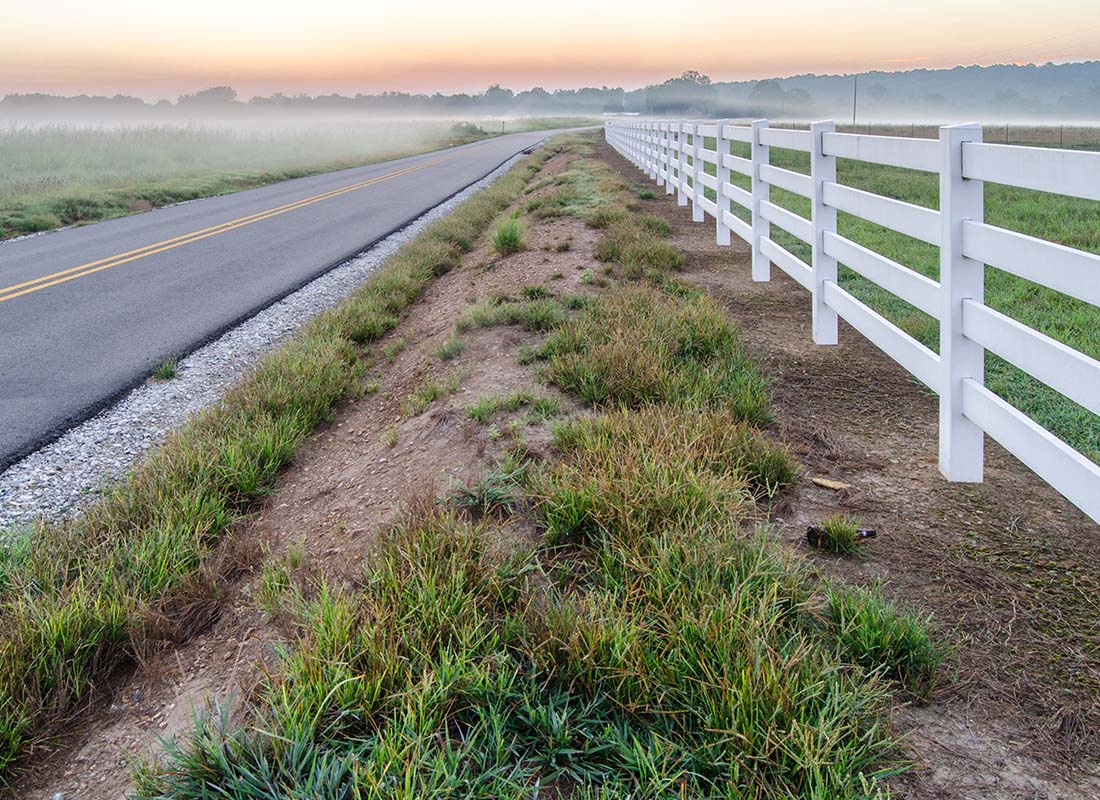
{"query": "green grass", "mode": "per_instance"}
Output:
(536, 292)
(165, 370)
(498, 491)
(642, 345)
(508, 236)
(431, 390)
(392, 349)
(540, 407)
(77, 598)
(839, 534)
(451, 348)
(875, 633)
(1064, 220)
(537, 316)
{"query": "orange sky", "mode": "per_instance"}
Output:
(261, 46)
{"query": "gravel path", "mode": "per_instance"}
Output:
(69, 474)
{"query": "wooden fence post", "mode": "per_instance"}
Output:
(761, 228)
(823, 219)
(722, 176)
(961, 278)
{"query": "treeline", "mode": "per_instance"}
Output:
(1063, 92)
(494, 101)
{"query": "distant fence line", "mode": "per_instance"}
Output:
(672, 153)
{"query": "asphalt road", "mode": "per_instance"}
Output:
(87, 313)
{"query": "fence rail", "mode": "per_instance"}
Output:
(672, 153)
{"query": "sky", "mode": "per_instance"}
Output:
(162, 49)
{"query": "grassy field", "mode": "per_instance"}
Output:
(64, 175)
(1067, 221)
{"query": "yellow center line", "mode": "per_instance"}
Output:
(63, 276)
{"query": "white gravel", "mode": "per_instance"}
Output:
(69, 474)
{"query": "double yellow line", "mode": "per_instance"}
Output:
(53, 279)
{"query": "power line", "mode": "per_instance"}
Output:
(1016, 49)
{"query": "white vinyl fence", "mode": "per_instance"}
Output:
(673, 155)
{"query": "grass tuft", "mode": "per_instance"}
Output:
(640, 345)
(508, 236)
(871, 631)
(165, 370)
(839, 534)
(539, 407)
(431, 390)
(451, 348)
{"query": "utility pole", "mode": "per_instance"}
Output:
(855, 93)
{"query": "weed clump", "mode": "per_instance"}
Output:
(451, 348)
(166, 370)
(838, 534)
(637, 472)
(871, 631)
(537, 316)
(640, 345)
(508, 236)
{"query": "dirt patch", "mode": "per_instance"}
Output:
(1009, 568)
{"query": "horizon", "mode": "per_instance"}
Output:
(157, 54)
(519, 89)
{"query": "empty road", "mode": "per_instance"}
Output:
(86, 313)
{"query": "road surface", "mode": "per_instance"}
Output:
(86, 313)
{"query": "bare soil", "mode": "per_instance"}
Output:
(1010, 571)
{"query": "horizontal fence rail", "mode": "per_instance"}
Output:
(673, 154)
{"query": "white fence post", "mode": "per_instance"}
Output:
(659, 147)
(961, 278)
(650, 161)
(697, 214)
(823, 219)
(761, 228)
(722, 176)
(670, 184)
(681, 195)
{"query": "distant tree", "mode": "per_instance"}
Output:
(214, 96)
(693, 76)
(690, 92)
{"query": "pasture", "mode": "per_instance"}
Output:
(57, 175)
(1065, 220)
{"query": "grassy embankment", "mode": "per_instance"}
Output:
(1067, 221)
(79, 598)
(645, 643)
(62, 175)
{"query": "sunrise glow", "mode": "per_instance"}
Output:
(161, 50)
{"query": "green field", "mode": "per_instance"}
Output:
(1065, 220)
(65, 175)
